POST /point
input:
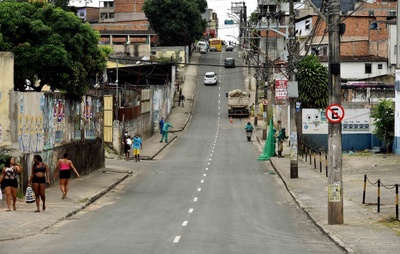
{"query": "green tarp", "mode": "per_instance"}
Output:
(269, 147)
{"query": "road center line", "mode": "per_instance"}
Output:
(199, 189)
(190, 210)
(202, 181)
(177, 238)
(195, 199)
(184, 224)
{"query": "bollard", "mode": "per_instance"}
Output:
(379, 195)
(315, 161)
(310, 155)
(326, 165)
(306, 153)
(365, 188)
(397, 202)
(320, 162)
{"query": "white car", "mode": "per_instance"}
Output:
(210, 78)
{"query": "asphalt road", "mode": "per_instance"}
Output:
(206, 193)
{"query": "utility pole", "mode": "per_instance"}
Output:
(292, 78)
(397, 86)
(335, 183)
(257, 86)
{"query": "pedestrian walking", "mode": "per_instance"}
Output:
(125, 140)
(40, 177)
(183, 100)
(167, 126)
(137, 146)
(161, 125)
(64, 166)
(9, 181)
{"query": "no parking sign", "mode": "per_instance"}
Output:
(334, 113)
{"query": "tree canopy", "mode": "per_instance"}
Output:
(176, 22)
(312, 78)
(383, 114)
(50, 45)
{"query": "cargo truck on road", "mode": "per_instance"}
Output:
(238, 103)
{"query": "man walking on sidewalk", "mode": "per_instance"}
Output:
(166, 129)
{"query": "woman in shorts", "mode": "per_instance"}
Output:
(9, 181)
(40, 177)
(64, 165)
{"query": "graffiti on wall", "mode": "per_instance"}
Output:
(30, 130)
(47, 120)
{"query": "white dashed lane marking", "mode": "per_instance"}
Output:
(177, 238)
(190, 210)
(184, 224)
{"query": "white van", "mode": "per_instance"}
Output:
(202, 46)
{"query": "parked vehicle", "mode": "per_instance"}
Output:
(238, 103)
(229, 48)
(202, 47)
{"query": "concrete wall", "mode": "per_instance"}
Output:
(6, 85)
(49, 125)
(178, 53)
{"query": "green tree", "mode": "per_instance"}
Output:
(176, 22)
(312, 78)
(383, 114)
(50, 45)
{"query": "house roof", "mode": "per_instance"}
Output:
(127, 32)
(369, 58)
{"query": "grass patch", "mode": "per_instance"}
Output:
(84, 200)
(391, 223)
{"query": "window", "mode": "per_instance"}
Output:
(368, 68)
(380, 66)
(81, 14)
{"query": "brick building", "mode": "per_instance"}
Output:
(123, 25)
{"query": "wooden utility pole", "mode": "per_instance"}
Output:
(335, 183)
(292, 78)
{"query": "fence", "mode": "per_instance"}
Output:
(311, 154)
(379, 185)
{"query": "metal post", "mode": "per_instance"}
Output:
(256, 106)
(365, 188)
(117, 95)
(379, 195)
(397, 202)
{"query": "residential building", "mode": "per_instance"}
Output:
(124, 26)
(88, 14)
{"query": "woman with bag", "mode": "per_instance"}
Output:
(40, 176)
(9, 181)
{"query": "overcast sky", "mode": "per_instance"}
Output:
(221, 7)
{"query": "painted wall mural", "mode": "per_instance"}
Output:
(47, 120)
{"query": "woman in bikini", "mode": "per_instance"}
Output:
(40, 176)
(65, 165)
(9, 181)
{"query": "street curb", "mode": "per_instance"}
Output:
(90, 200)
